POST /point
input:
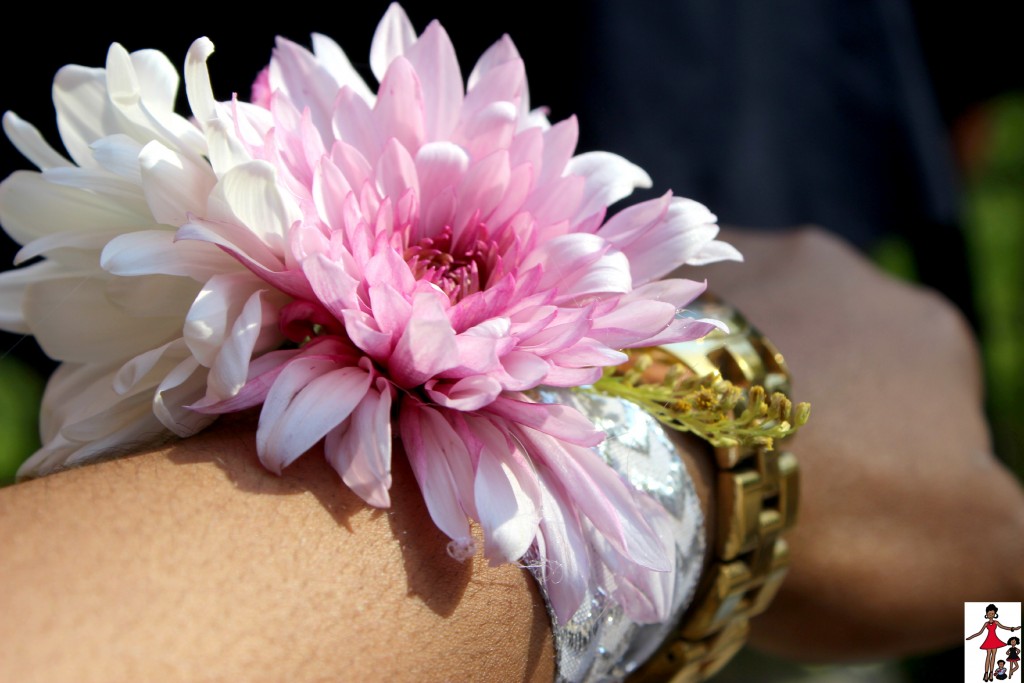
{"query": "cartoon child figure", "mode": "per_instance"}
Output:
(1013, 654)
(992, 642)
(1001, 670)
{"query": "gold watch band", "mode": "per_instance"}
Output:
(757, 492)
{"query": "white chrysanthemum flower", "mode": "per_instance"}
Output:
(138, 167)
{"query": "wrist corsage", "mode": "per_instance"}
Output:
(402, 267)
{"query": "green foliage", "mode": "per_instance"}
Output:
(710, 407)
(21, 390)
(894, 255)
(994, 229)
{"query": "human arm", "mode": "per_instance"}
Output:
(883, 530)
(193, 562)
(904, 508)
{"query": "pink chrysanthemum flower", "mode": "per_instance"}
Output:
(414, 261)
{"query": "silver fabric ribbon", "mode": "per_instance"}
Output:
(600, 644)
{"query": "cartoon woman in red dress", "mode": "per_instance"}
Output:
(992, 642)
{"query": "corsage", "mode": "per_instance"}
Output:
(415, 264)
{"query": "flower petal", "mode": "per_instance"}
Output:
(174, 185)
(253, 330)
(646, 596)
(134, 373)
(399, 111)
(467, 394)
(427, 345)
(335, 288)
(250, 195)
(600, 494)
(32, 207)
(609, 178)
(393, 37)
(72, 319)
(12, 292)
(558, 421)
(84, 113)
(507, 496)
(305, 81)
(440, 462)
(158, 79)
(119, 154)
(308, 399)
(565, 561)
(396, 171)
(628, 323)
(353, 124)
(197, 81)
(27, 139)
(333, 58)
(433, 58)
(361, 453)
(150, 252)
(183, 385)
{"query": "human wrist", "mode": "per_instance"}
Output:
(694, 454)
(753, 487)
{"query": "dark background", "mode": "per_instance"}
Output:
(772, 114)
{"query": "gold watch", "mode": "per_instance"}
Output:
(756, 502)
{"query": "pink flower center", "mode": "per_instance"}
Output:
(458, 270)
